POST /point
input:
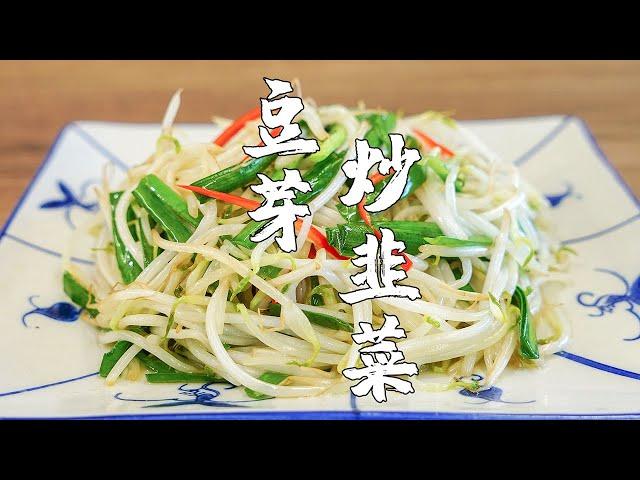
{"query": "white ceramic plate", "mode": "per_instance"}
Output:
(49, 359)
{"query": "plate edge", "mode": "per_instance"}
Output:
(347, 415)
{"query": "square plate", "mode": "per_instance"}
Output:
(49, 359)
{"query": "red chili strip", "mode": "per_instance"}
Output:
(315, 236)
(237, 125)
(431, 143)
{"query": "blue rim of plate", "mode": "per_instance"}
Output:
(354, 414)
(345, 415)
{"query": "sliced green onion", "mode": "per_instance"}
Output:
(168, 215)
(316, 318)
(382, 124)
(170, 198)
(337, 136)
(154, 364)
(528, 340)
(347, 236)
(129, 268)
(78, 293)
(442, 170)
(229, 179)
(269, 271)
(149, 251)
(110, 358)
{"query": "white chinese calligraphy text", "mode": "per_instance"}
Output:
(402, 159)
(380, 275)
(279, 208)
(286, 108)
(382, 360)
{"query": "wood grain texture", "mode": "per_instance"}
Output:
(38, 97)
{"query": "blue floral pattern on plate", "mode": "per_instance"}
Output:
(607, 303)
(556, 199)
(70, 200)
(60, 311)
(203, 395)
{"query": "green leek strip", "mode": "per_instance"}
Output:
(319, 319)
(347, 236)
(274, 378)
(417, 176)
(229, 179)
(528, 339)
(131, 216)
(110, 358)
(269, 271)
(181, 377)
(170, 198)
(169, 219)
(129, 268)
(154, 364)
(442, 170)
(472, 241)
(319, 177)
(467, 288)
(78, 293)
(148, 250)
(243, 239)
(160, 372)
(382, 125)
(337, 136)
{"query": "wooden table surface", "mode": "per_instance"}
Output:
(38, 97)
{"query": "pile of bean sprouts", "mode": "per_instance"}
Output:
(451, 333)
